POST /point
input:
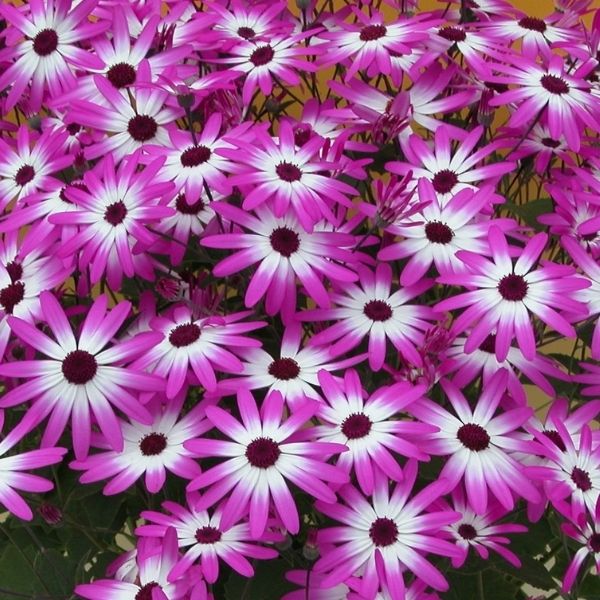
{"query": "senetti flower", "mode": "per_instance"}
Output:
(263, 455)
(387, 536)
(78, 378)
(508, 293)
(49, 54)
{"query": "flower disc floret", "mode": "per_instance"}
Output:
(45, 42)
(79, 367)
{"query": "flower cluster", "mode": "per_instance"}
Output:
(280, 279)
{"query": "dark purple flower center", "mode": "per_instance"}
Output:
(555, 85)
(121, 75)
(115, 213)
(533, 24)
(79, 367)
(262, 453)
(467, 531)
(438, 232)
(553, 435)
(194, 156)
(288, 172)
(513, 287)
(207, 535)
(452, 34)
(473, 436)
(184, 335)
(142, 128)
(383, 532)
(145, 592)
(73, 128)
(595, 542)
(24, 175)
(550, 143)
(14, 270)
(378, 310)
(284, 369)
(246, 33)
(443, 181)
(45, 42)
(285, 241)
(11, 295)
(262, 55)
(581, 479)
(372, 32)
(489, 344)
(356, 426)
(184, 208)
(153, 444)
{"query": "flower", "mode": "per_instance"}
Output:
(49, 54)
(370, 427)
(201, 344)
(479, 444)
(507, 293)
(206, 537)
(373, 310)
(262, 456)
(284, 251)
(149, 450)
(386, 536)
(78, 378)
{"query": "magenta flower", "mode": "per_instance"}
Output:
(370, 427)
(373, 310)
(149, 450)
(77, 378)
(206, 538)
(263, 455)
(154, 561)
(383, 538)
(479, 444)
(289, 176)
(14, 479)
(199, 344)
(284, 250)
(113, 215)
(508, 293)
(49, 54)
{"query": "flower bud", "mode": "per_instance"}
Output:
(50, 513)
(310, 551)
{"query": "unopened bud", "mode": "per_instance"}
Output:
(35, 122)
(168, 288)
(303, 4)
(310, 551)
(50, 513)
(272, 105)
(186, 100)
(284, 544)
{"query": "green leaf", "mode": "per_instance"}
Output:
(57, 572)
(268, 582)
(495, 586)
(532, 572)
(529, 212)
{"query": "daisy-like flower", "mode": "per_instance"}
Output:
(437, 232)
(288, 176)
(450, 170)
(14, 479)
(132, 126)
(49, 53)
(369, 427)
(507, 293)
(25, 169)
(481, 532)
(200, 344)
(552, 89)
(383, 538)
(285, 251)
(293, 374)
(275, 59)
(369, 44)
(206, 538)
(479, 444)
(78, 378)
(263, 455)
(371, 309)
(112, 215)
(149, 450)
(192, 164)
(154, 560)
(572, 469)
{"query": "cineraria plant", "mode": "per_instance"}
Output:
(299, 300)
